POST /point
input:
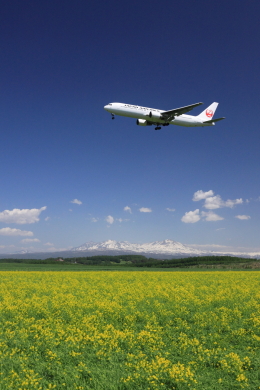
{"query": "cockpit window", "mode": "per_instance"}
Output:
(110, 104)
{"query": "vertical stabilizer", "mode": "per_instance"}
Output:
(208, 114)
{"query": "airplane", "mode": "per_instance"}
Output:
(151, 116)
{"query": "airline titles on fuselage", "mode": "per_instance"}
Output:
(141, 108)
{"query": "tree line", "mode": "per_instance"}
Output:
(136, 261)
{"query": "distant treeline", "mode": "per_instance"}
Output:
(93, 260)
(137, 261)
(107, 260)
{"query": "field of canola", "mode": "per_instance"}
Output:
(129, 330)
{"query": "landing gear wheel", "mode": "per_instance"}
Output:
(113, 116)
(157, 128)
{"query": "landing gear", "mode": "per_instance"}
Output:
(113, 116)
(157, 128)
(166, 124)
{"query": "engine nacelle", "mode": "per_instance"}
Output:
(142, 122)
(155, 115)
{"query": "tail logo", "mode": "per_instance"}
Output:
(209, 113)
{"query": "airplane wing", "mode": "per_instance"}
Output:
(214, 120)
(169, 115)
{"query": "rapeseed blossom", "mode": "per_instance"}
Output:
(126, 330)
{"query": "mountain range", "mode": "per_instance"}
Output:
(169, 247)
(166, 249)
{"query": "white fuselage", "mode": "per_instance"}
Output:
(139, 112)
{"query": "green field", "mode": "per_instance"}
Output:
(44, 267)
(65, 267)
(86, 268)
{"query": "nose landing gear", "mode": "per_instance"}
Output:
(113, 116)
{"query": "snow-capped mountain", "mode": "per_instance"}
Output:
(167, 246)
(22, 252)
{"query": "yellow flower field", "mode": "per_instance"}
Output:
(129, 330)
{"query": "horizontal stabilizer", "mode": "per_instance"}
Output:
(214, 120)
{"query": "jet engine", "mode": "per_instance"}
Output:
(142, 122)
(155, 115)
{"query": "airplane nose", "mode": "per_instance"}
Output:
(106, 107)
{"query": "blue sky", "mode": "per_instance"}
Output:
(62, 61)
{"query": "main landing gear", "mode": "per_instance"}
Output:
(158, 126)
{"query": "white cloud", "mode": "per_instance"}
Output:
(211, 216)
(145, 210)
(215, 202)
(231, 203)
(47, 218)
(110, 219)
(127, 208)
(14, 232)
(220, 229)
(49, 244)
(21, 216)
(76, 201)
(199, 195)
(94, 219)
(170, 209)
(191, 216)
(30, 240)
(243, 217)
